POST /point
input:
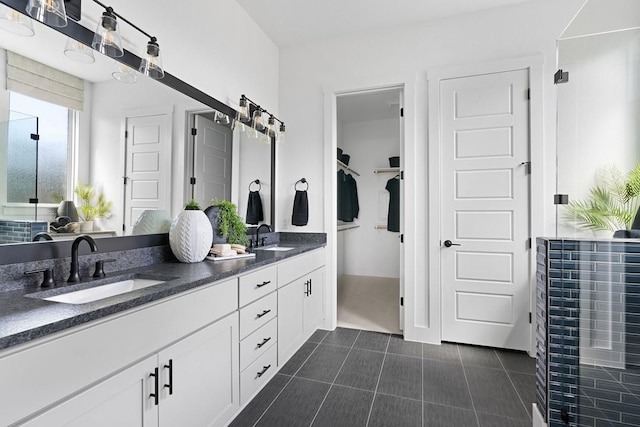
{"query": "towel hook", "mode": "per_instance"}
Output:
(303, 181)
(257, 181)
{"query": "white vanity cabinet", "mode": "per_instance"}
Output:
(194, 386)
(102, 369)
(300, 301)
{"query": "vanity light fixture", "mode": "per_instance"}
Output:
(78, 51)
(248, 108)
(151, 64)
(15, 22)
(107, 39)
(221, 118)
(49, 12)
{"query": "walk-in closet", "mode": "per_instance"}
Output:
(369, 199)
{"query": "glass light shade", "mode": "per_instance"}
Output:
(243, 111)
(221, 118)
(282, 137)
(77, 51)
(15, 22)
(258, 122)
(49, 12)
(107, 39)
(124, 74)
(271, 126)
(151, 64)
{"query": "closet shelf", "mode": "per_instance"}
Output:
(343, 166)
(343, 227)
(386, 170)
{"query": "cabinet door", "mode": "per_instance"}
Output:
(199, 377)
(290, 319)
(121, 400)
(314, 302)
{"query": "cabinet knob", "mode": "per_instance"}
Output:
(266, 340)
(263, 284)
(156, 382)
(264, 313)
(264, 369)
(170, 385)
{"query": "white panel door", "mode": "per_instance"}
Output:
(485, 209)
(212, 161)
(147, 166)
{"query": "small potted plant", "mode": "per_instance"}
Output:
(190, 234)
(91, 208)
(227, 225)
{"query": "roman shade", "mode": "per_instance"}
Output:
(40, 81)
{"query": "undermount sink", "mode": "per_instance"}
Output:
(103, 291)
(275, 248)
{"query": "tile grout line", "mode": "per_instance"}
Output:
(375, 391)
(464, 371)
(290, 379)
(334, 379)
(513, 384)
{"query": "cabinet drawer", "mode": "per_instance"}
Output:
(258, 314)
(256, 285)
(299, 266)
(256, 344)
(257, 374)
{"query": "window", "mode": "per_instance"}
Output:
(54, 124)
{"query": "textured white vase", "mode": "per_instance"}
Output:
(190, 236)
(152, 221)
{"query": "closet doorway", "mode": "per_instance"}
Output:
(369, 203)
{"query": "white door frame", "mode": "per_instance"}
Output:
(408, 265)
(535, 65)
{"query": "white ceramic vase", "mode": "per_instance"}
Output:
(190, 236)
(86, 226)
(152, 221)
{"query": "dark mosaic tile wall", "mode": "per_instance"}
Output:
(588, 292)
(20, 231)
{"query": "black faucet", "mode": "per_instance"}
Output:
(74, 276)
(258, 234)
(42, 235)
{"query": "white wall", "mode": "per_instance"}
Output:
(367, 251)
(515, 31)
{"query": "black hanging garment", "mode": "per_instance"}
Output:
(300, 215)
(348, 206)
(393, 217)
(254, 208)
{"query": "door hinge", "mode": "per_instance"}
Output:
(402, 238)
(529, 242)
(34, 200)
(402, 112)
(126, 134)
(401, 174)
(402, 301)
(125, 179)
(35, 137)
(123, 227)
(194, 131)
(530, 317)
(561, 77)
(529, 94)
(192, 181)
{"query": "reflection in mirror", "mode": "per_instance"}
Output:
(130, 141)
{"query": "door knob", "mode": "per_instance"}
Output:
(449, 243)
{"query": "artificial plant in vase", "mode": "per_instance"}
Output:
(190, 234)
(612, 203)
(91, 207)
(227, 225)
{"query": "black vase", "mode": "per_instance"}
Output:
(212, 213)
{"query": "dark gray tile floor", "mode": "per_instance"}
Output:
(356, 378)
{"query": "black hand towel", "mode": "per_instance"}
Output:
(300, 214)
(254, 208)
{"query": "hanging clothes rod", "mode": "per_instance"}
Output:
(343, 166)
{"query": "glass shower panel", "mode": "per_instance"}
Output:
(598, 133)
(20, 160)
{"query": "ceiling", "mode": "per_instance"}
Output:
(289, 22)
(369, 106)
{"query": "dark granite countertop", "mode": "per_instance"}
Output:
(24, 318)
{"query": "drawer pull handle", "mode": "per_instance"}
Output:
(170, 385)
(264, 312)
(156, 395)
(264, 369)
(266, 340)
(263, 284)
